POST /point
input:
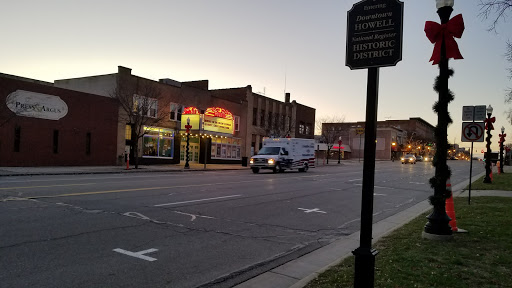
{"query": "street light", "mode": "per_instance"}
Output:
(502, 142)
(188, 126)
(489, 127)
(438, 226)
(339, 150)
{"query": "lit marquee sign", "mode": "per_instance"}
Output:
(190, 110)
(191, 113)
(218, 120)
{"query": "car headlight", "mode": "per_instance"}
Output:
(402, 159)
(271, 161)
(411, 159)
(251, 161)
(426, 158)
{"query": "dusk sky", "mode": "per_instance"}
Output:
(292, 45)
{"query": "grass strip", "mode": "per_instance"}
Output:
(481, 258)
(499, 182)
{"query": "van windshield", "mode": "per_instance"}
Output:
(269, 151)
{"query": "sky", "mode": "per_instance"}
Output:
(296, 46)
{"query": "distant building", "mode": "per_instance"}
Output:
(409, 136)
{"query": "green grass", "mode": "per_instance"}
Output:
(499, 181)
(480, 258)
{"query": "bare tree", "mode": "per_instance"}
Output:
(143, 105)
(279, 125)
(330, 131)
(496, 11)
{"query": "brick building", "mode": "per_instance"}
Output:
(42, 125)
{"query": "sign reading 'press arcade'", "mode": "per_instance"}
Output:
(374, 34)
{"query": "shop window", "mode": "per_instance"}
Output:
(145, 106)
(88, 143)
(158, 143)
(176, 111)
(237, 123)
(55, 141)
(17, 139)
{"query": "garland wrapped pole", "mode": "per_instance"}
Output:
(488, 127)
(445, 47)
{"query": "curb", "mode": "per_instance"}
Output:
(124, 171)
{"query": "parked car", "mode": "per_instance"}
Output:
(419, 158)
(408, 158)
(428, 158)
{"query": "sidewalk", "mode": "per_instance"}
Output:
(71, 170)
(299, 272)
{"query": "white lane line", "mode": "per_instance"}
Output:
(381, 187)
(139, 254)
(418, 183)
(354, 180)
(199, 200)
(193, 215)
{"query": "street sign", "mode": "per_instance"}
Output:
(468, 112)
(374, 34)
(359, 131)
(473, 113)
(473, 132)
(480, 112)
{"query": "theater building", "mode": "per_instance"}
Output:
(226, 125)
(43, 125)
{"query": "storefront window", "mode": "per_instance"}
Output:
(225, 148)
(158, 143)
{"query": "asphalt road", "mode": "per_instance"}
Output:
(197, 229)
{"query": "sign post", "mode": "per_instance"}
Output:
(374, 39)
(472, 132)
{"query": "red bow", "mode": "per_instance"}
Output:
(502, 137)
(437, 32)
(489, 122)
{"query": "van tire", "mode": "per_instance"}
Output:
(255, 170)
(278, 168)
(304, 169)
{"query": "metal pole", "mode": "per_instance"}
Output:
(365, 255)
(359, 152)
(205, 151)
(470, 172)
(488, 168)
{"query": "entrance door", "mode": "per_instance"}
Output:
(193, 152)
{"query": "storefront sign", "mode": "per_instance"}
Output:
(374, 34)
(194, 121)
(36, 105)
(217, 124)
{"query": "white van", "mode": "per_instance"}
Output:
(279, 154)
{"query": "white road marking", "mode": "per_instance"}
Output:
(418, 183)
(193, 215)
(139, 254)
(312, 210)
(140, 216)
(200, 200)
(335, 189)
(355, 180)
(382, 187)
(376, 194)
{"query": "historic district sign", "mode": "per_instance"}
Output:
(374, 34)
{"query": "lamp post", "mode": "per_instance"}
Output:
(438, 226)
(339, 150)
(502, 141)
(188, 126)
(489, 127)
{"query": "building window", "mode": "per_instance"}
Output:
(88, 143)
(128, 132)
(17, 139)
(145, 106)
(158, 143)
(302, 128)
(270, 120)
(254, 116)
(237, 123)
(262, 118)
(176, 111)
(55, 141)
(308, 129)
